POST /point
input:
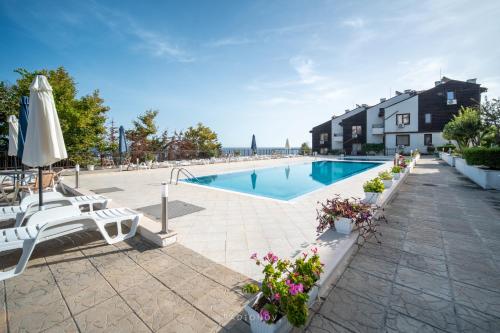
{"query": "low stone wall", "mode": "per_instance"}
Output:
(448, 158)
(487, 179)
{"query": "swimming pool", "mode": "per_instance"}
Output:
(285, 182)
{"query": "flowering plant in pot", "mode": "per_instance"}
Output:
(344, 215)
(396, 170)
(372, 189)
(284, 296)
(386, 178)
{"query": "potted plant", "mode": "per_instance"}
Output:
(342, 214)
(396, 170)
(90, 162)
(286, 293)
(386, 178)
(372, 189)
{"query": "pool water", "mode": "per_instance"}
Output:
(285, 182)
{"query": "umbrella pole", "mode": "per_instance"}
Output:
(40, 189)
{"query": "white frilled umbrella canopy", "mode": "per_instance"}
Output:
(44, 143)
(13, 133)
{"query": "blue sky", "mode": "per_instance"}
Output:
(273, 68)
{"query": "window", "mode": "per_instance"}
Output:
(428, 118)
(323, 137)
(450, 98)
(356, 130)
(403, 119)
(402, 140)
(427, 139)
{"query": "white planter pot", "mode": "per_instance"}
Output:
(387, 183)
(396, 176)
(313, 296)
(487, 179)
(448, 158)
(344, 225)
(258, 326)
(371, 198)
(90, 167)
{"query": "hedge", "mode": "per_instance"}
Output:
(489, 157)
(447, 147)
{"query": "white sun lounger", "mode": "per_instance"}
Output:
(49, 224)
(52, 199)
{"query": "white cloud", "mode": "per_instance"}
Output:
(229, 41)
(356, 23)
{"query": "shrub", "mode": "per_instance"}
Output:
(385, 175)
(489, 157)
(396, 169)
(285, 287)
(448, 148)
(373, 147)
(431, 149)
(374, 185)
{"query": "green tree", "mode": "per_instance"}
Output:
(82, 119)
(490, 115)
(9, 105)
(204, 140)
(142, 136)
(304, 149)
(465, 128)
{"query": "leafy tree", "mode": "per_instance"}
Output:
(204, 140)
(490, 115)
(465, 128)
(9, 105)
(305, 149)
(82, 119)
(141, 137)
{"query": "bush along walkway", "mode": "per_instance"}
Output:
(437, 269)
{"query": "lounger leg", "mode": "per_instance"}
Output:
(28, 247)
(120, 235)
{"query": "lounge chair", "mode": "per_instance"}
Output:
(49, 224)
(51, 199)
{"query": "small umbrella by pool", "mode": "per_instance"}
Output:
(253, 147)
(287, 146)
(253, 177)
(44, 140)
(23, 125)
(122, 143)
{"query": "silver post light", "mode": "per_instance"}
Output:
(164, 208)
(77, 175)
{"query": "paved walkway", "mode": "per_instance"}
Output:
(438, 267)
(81, 284)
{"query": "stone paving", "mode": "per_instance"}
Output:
(81, 284)
(437, 269)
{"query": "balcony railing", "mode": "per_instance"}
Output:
(378, 126)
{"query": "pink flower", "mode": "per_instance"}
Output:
(265, 315)
(314, 250)
(277, 296)
(304, 254)
(253, 256)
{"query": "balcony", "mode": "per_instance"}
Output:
(338, 138)
(378, 129)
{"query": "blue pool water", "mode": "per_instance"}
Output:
(285, 182)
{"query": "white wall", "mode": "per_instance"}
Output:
(407, 106)
(337, 129)
(416, 141)
(373, 118)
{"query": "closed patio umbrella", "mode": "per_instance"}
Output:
(253, 147)
(122, 143)
(287, 146)
(23, 125)
(44, 140)
(13, 134)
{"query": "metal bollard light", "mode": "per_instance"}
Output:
(77, 175)
(164, 208)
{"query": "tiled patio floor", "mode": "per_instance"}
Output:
(81, 284)
(438, 268)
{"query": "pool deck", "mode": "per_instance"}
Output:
(231, 226)
(437, 270)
